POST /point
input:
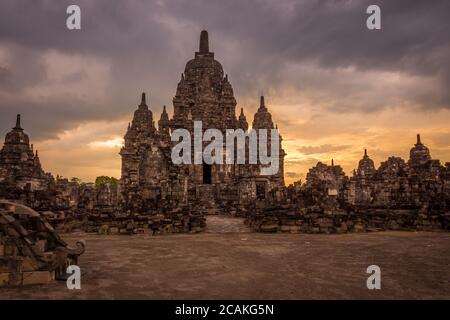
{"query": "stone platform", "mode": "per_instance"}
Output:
(241, 265)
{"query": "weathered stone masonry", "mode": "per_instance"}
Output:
(150, 182)
(399, 195)
(156, 196)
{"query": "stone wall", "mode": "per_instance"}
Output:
(314, 220)
(178, 221)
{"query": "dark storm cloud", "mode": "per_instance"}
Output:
(264, 45)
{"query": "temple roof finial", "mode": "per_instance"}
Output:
(418, 139)
(204, 42)
(18, 122)
(332, 162)
(262, 104)
(365, 152)
(164, 115)
(143, 99)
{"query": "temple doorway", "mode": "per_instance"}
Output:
(260, 190)
(207, 176)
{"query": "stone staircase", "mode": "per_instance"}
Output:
(206, 202)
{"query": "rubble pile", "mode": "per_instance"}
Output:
(66, 221)
(31, 252)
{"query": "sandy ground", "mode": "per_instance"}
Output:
(228, 262)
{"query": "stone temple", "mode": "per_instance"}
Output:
(149, 178)
(156, 196)
(19, 163)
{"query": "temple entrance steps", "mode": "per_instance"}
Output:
(206, 202)
(225, 224)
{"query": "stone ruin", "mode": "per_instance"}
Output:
(69, 205)
(151, 183)
(399, 195)
(20, 165)
(155, 196)
(31, 252)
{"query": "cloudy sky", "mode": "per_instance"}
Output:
(333, 86)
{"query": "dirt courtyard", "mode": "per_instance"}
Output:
(228, 262)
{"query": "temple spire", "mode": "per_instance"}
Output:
(262, 104)
(243, 124)
(332, 162)
(418, 139)
(365, 152)
(164, 115)
(204, 42)
(18, 122)
(143, 102)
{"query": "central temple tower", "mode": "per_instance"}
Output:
(150, 179)
(204, 93)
